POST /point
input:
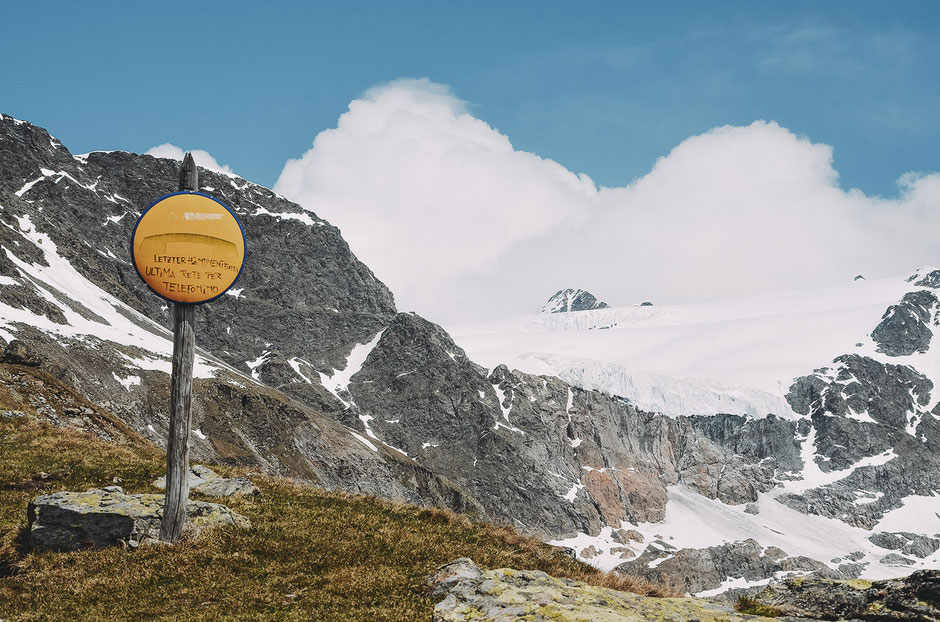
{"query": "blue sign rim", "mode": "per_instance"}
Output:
(208, 196)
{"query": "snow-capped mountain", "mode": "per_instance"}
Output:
(736, 356)
(851, 370)
(568, 300)
(611, 431)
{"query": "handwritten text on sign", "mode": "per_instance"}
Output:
(188, 247)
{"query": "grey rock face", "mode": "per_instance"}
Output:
(770, 438)
(514, 445)
(908, 543)
(905, 327)
(860, 409)
(567, 300)
(302, 293)
(893, 559)
(70, 521)
(698, 570)
(863, 385)
(303, 302)
(932, 279)
(915, 597)
(204, 480)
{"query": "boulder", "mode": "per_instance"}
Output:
(71, 521)
(205, 481)
(506, 594)
(18, 353)
(449, 575)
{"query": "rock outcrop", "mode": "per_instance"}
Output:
(931, 279)
(86, 208)
(71, 521)
(907, 543)
(567, 300)
(470, 593)
(915, 597)
(205, 481)
(698, 570)
(870, 421)
(905, 327)
(555, 458)
(506, 594)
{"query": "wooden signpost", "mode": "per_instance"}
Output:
(189, 248)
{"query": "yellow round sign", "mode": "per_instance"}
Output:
(188, 247)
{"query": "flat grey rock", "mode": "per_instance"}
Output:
(71, 521)
(204, 480)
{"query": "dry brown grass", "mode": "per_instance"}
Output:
(309, 555)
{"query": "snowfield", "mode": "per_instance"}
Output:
(737, 356)
(694, 521)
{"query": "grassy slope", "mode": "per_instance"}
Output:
(309, 555)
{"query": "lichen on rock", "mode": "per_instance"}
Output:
(95, 519)
(205, 481)
(915, 597)
(507, 594)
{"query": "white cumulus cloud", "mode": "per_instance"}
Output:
(202, 158)
(462, 226)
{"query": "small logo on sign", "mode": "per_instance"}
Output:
(201, 216)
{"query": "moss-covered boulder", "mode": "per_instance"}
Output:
(506, 594)
(915, 597)
(70, 521)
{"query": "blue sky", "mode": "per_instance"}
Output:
(500, 151)
(602, 88)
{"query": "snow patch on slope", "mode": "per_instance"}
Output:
(918, 514)
(111, 318)
(695, 521)
(338, 381)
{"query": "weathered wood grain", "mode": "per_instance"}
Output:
(181, 389)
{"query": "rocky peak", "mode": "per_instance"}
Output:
(567, 300)
(302, 294)
(905, 327)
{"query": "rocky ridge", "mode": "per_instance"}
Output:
(568, 300)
